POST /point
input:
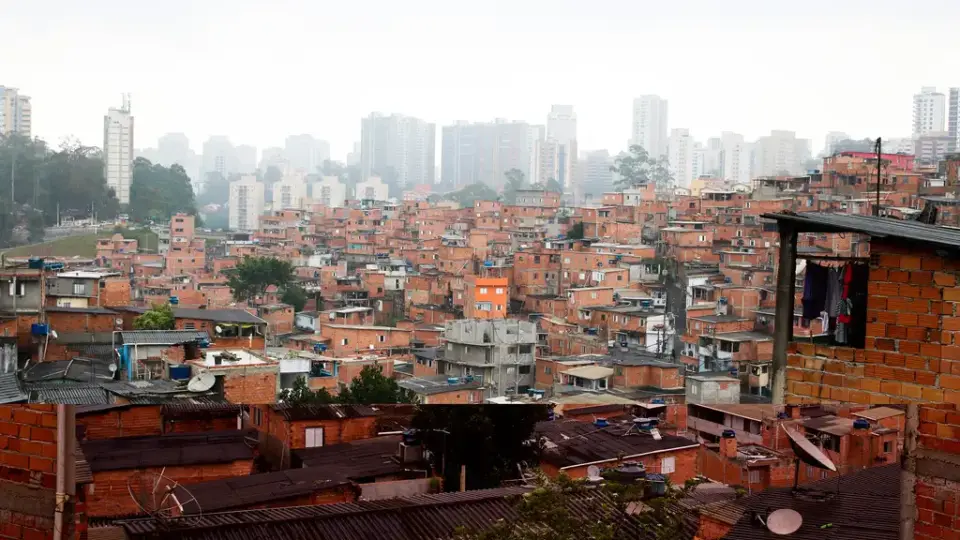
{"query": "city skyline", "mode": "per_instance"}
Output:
(707, 100)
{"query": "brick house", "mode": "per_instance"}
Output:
(97, 422)
(573, 446)
(346, 340)
(279, 318)
(284, 428)
(244, 375)
(442, 390)
(83, 288)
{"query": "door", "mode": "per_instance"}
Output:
(314, 437)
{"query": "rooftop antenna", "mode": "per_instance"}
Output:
(163, 499)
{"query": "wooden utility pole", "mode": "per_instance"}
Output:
(876, 209)
(463, 478)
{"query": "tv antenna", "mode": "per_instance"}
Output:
(163, 499)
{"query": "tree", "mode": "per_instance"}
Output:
(254, 275)
(159, 317)
(575, 232)
(567, 509)
(639, 168)
(469, 195)
(158, 192)
(296, 296)
(554, 186)
(301, 395)
(514, 183)
(852, 145)
(371, 386)
(490, 440)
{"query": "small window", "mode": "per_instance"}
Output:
(754, 477)
(499, 290)
(257, 416)
(483, 290)
(887, 447)
(381, 339)
(547, 370)
(524, 370)
(78, 289)
(668, 465)
(344, 341)
(313, 437)
(189, 326)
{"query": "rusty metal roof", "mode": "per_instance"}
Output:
(324, 412)
(876, 227)
(168, 450)
(579, 443)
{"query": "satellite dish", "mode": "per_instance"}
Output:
(118, 321)
(372, 347)
(202, 382)
(112, 368)
(163, 499)
(808, 453)
(218, 329)
(593, 472)
(784, 521)
(53, 334)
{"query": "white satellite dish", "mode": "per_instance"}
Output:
(593, 472)
(372, 347)
(202, 382)
(218, 329)
(112, 368)
(53, 334)
(808, 453)
(784, 521)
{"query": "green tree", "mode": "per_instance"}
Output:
(514, 183)
(639, 168)
(296, 296)
(216, 190)
(254, 275)
(490, 440)
(469, 195)
(158, 192)
(567, 509)
(158, 317)
(372, 386)
(575, 232)
(301, 395)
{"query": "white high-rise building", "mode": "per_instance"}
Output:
(399, 146)
(219, 156)
(680, 156)
(15, 112)
(556, 161)
(118, 150)
(245, 203)
(562, 124)
(597, 176)
(953, 119)
(246, 159)
(650, 124)
(273, 157)
(929, 111)
(483, 152)
(735, 158)
(306, 153)
(781, 152)
(698, 161)
(831, 140)
(330, 192)
(712, 158)
(290, 192)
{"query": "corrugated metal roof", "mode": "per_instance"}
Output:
(11, 391)
(877, 227)
(169, 450)
(162, 337)
(578, 442)
(69, 394)
(225, 315)
(324, 412)
(194, 409)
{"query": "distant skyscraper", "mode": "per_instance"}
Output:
(484, 151)
(781, 153)
(596, 174)
(353, 157)
(306, 153)
(929, 111)
(680, 156)
(953, 119)
(273, 157)
(650, 124)
(118, 150)
(735, 158)
(831, 140)
(15, 112)
(219, 156)
(698, 161)
(712, 158)
(398, 145)
(173, 148)
(246, 159)
(562, 124)
(245, 203)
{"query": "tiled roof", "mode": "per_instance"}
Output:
(162, 337)
(324, 412)
(169, 450)
(70, 394)
(11, 391)
(194, 409)
(577, 443)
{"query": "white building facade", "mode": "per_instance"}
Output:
(330, 192)
(16, 113)
(929, 112)
(372, 189)
(650, 124)
(398, 145)
(290, 192)
(118, 150)
(735, 158)
(680, 156)
(245, 204)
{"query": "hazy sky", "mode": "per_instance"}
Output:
(259, 70)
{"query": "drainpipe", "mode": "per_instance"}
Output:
(66, 465)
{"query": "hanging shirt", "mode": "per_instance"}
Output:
(814, 291)
(834, 291)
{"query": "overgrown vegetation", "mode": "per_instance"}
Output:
(254, 275)
(468, 196)
(370, 387)
(638, 168)
(158, 317)
(158, 192)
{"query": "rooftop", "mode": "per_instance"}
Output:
(214, 315)
(436, 384)
(169, 450)
(162, 337)
(589, 372)
(324, 412)
(573, 443)
(10, 389)
(743, 410)
(238, 357)
(879, 413)
(876, 227)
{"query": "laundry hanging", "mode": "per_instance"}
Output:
(814, 291)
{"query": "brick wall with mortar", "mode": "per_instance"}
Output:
(130, 422)
(79, 323)
(937, 488)
(685, 464)
(110, 496)
(279, 435)
(912, 348)
(28, 453)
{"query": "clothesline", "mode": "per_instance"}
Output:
(832, 258)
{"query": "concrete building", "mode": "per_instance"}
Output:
(650, 124)
(290, 192)
(735, 158)
(680, 156)
(372, 189)
(483, 152)
(15, 112)
(246, 159)
(929, 149)
(953, 119)
(929, 111)
(556, 160)
(330, 192)
(562, 124)
(273, 157)
(245, 203)
(306, 153)
(597, 178)
(399, 148)
(497, 352)
(781, 152)
(353, 157)
(219, 156)
(831, 140)
(118, 150)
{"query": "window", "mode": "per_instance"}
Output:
(189, 326)
(483, 290)
(499, 290)
(499, 307)
(257, 416)
(668, 465)
(344, 341)
(593, 295)
(314, 437)
(77, 289)
(524, 370)
(547, 370)
(887, 447)
(381, 338)
(620, 372)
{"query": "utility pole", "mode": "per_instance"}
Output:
(876, 209)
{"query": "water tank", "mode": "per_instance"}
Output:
(179, 372)
(645, 424)
(734, 372)
(630, 472)
(411, 436)
(729, 434)
(861, 423)
(35, 263)
(39, 329)
(658, 401)
(174, 300)
(600, 423)
(656, 485)
(452, 380)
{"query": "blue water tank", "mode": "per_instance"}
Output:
(39, 329)
(861, 423)
(656, 485)
(601, 423)
(452, 380)
(179, 372)
(488, 264)
(35, 263)
(658, 401)
(734, 372)
(729, 434)
(174, 300)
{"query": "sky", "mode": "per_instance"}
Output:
(259, 70)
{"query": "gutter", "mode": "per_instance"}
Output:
(632, 456)
(66, 469)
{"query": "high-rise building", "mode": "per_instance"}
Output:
(929, 111)
(780, 153)
(597, 177)
(931, 148)
(557, 161)
(398, 148)
(735, 158)
(650, 124)
(698, 161)
(680, 156)
(353, 157)
(245, 203)
(306, 153)
(219, 156)
(246, 159)
(15, 112)
(290, 192)
(483, 152)
(712, 158)
(831, 140)
(562, 124)
(118, 150)
(273, 157)
(953, 119)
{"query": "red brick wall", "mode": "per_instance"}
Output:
(249, 386)
(110, 496)
(458, 397)
(712, 529)
(334, 431)
(685, 463)
(116, 292)
(132, 422)
(65, 323)
(938, 496)
(28, 453)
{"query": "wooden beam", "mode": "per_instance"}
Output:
(783, 332)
